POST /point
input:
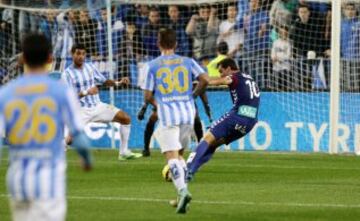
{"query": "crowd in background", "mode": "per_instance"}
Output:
(282, 43)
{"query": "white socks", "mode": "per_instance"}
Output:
(124, 139)
(177, 173)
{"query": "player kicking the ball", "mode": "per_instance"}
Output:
(233, 125)
(168, 86)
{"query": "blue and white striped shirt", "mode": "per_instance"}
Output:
(34, 110)
(82, 79)
(170, 78)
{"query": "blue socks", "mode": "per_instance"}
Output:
(203, 154)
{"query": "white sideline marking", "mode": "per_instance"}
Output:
(244, 203)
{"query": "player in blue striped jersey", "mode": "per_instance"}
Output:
(84, 78)
(168, 87)
(33, 111)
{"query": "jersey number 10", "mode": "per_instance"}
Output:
(254, 91)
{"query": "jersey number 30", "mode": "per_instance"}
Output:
(170, 80)
(31, 119)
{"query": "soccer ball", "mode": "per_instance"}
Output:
(166, 173)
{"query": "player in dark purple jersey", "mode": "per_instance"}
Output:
(234, 124)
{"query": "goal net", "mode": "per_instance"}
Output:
(283, 44)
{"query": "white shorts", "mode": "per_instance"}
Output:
(39, 210)
(103, 113)
(173, 138)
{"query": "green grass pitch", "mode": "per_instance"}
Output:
(232, 186)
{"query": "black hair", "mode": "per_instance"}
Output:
(222, 48)
(228, 62)
(77, 46)
(167, 38)
(36, 49)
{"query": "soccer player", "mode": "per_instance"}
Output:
(33, 111)
(150, 125)
(84, 77)
(168, 87)
(234, 124)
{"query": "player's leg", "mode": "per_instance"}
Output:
(19, 210)
(169, 140)
(198, 127)
(44, 210)
(107, 113)
(149, 130)
(206, 148)
(204, 151)
(124, 120)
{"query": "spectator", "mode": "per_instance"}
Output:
(256, 44)
(142, 17)
(307, 39)
(257, 33)
(102, 38)
(281, 14)
(348, 24)
(281, 54)
(305, 34)
(6, 37)
(85, 33)
(233, 37)
(350, 34)
(243, 9)
(178, 24)
(150, 33)
(66, 35)
(49, 26)
(131, 51)
(204, 28)
(222, 50)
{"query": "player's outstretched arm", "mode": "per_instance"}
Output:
(220, 81)
(81, 144)
(112, 83)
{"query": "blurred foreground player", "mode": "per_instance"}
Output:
(234, 124)
(33, 111)
(168, 87)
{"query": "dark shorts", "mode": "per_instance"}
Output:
(231, 127)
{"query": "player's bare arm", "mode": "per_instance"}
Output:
(220, 81)
(122, 82)
(201, 86)
(149, 98)
(90, 91)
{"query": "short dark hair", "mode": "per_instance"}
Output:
(205, 6)
(228, 62)
(36, 49)
(77, 46)
(167, 38)
(222, 48)
(303, 6)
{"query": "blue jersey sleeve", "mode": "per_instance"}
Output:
(196, 69)
(99, 78)
(70, 113)
(67, 78)
(149, 79)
